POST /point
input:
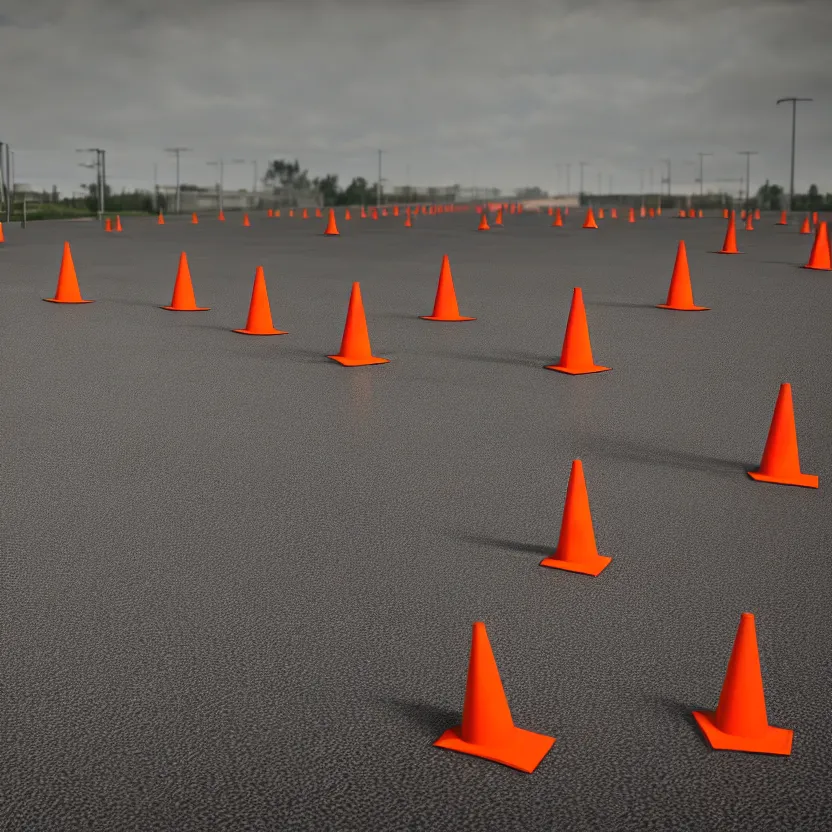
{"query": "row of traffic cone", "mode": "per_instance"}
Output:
(739, 722)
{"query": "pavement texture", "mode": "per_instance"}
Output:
(237, 580)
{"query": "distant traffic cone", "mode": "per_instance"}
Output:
(498, 219)
(363, 213)
(395, 210)
(820, 257)
(318, 214)
(331, 227)
(756, 213)
(600, 213)
(221, 216)
(658, 210)
(347, 214)
(683, 213)
(277, 213)
(642, 212)
(183, 290)
(632, 217)
(739, 722)
(680, 295)
(68, 290)
(383, 212)
(749, 224)
(725, 213)
(487, 728)
(118, 223)
(742, 214)
(194, 219)
(576, 550)
(701, 213)
(614, 214)
(408, 222)
(729, 245)
(108, 225)
(270, 212)
(652, 213)
(783, 219)
(512, 208)
(246, 221)
(292, 212)
(781, 461)
(589, 222)
(484, 226)
(576, 354)
(304, 214)
(161, 220)
(558, 221)
(814, 218)
(259, 312)
(375, 213)
(355, 345)
(445, 307)
(2, 235)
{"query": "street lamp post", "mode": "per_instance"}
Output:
(794, 122)
(177, 151)
(221, 165)
(702, 174)
(581, 165)
(748, 154)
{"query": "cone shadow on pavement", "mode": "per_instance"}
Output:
(487, 728)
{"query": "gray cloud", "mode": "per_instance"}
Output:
(471, 92)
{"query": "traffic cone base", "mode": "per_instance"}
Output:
(691, 308)
(180, 309)
(593, 565)
(445, 318)
(358, 362)
(55, 300)
(805, 480)
(258, 332)
(559, 368)
(521, 749)
(771, 741)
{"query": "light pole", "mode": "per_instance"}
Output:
(581, 165)
(100, 175)
(378, 186)
(177, 151)
(701, 174)
(221, 165)
(748, 154)
(794, 122)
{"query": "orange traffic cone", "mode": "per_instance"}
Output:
(632, 217)
(246, 222)
(589, 222)
(407, 221)
(277, 213)
(614, 213)
(2, 235)
(194, 219)
(814, 218)
(318, 214)
(221, 216)
(749, 224)
(642, 212)
(363, 213)
(600, 213)
(658, 210)
(183, 290)
(161, 220)
(820, 257)
(292, 212)
(576, 355)
(484, 226)
(331, 227)
(68, 290)
(498, 219)
(108, 225)
(680, 295)
(395, 210)
(701, 213)
(375, 213)
(383, 212)
(725, 213)
(729, 245)
(118, 223)
(756, 213)
(270, 212)
(355, 345)
(347, 214)
(304, 214)
(558, 221)
(783, 219)
(445, 307)
(576, 550)
(739, 722)
(259, 312)
(781, 462)
(652, 213)
(742, 214)
(682, 213)
(487, 729)
(512, 208)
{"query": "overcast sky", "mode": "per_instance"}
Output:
(455, 91)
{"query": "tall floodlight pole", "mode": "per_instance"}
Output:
(748, 154)
(794, 123)
(702, 174)
(100, 177)
(177, 151)
(581, 165)
(378, 186)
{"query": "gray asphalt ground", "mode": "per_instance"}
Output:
(238, 580)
